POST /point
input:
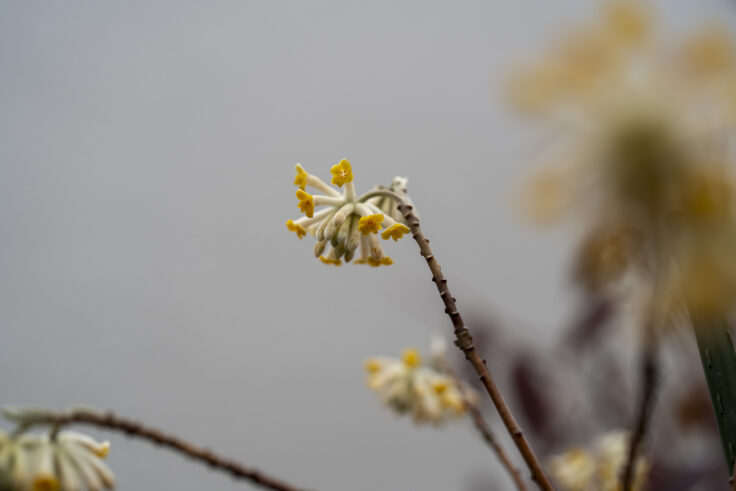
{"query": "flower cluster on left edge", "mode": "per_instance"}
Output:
(67, 461)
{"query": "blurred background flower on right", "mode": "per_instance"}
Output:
(639, 153)
(642, 152)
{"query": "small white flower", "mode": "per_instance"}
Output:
(407, 387)
(347, 221)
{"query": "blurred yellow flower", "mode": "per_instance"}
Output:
(641, 152)
(598, 468)
(407, 386)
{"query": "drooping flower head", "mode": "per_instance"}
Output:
(424, 391)
(67, 461)
(641, 150)
(347, 221)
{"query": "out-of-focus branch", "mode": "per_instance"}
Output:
(485, 431)
(490, 439)
(649, 383)
(134, 429)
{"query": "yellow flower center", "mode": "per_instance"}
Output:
(372, 366)
(45, 483)
(411, 357)
(439, 386)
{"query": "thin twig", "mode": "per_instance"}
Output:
(492, 442)
(650, 381)
(464, 341)
(485, 431)
(137, 430)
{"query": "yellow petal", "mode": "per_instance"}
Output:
(342, 173)
(395, 231)
(370, 224)
(296, 228)
(306, 202)
(301, 177)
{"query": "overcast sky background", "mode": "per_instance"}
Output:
(146, 167)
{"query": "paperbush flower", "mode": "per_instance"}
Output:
(406, 386)
(69, 461)
(346, 221)
(641, 152)
(598, 468)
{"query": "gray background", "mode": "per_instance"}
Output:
(146, 160)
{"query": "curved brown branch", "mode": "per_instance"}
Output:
(464, 341)
(137, 430)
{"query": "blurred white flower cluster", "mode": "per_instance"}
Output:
(347, 221)
(642, 130)
(426, 392)
(67, 461)
(598, 468)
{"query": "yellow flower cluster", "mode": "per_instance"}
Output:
(642, 152)
(407, 386)
(346, 221)
(598, 468)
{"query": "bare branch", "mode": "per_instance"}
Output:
(650, 381)
(464, 341)
(134, 429)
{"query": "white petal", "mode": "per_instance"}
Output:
(80, 457)
(68, 472)
(106, 475)
(97, 448)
